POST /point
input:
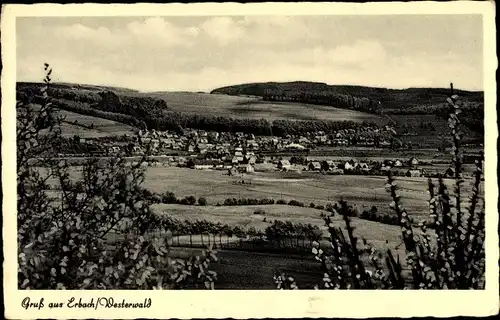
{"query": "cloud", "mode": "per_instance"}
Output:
(201, 53)
(362, 51)
(223, 29)
(162, 30)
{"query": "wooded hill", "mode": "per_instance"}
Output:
(378, 99)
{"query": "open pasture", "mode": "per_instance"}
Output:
(362, 191)
(256, 108)
(101, 127)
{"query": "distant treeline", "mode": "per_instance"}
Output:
(324, 98)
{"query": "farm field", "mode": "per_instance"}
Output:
(438, 135)
(243, 216)
(253, 270)
(216, 186)
(256, 108)
(362, 192)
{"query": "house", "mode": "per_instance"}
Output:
(348, 166)
(203, 140)
(295, 146)
(388, 163)
(114, 150)
(385, 168)
(398, 163)
(250, 160)
(284, 165)
(137, 150)
(253, 145)
(304, 140)
(384, 144)
(214, 135)
(328, 165)
(246, 168)
(363, 166)
(449, 173)
(321, 139)
(413, 173)
(413, 162)
(233, 171)
(314, 166)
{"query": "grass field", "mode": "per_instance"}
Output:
(256, 108)
(363, 192)
(216, 186)
(102, 127)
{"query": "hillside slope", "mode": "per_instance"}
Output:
(253, 107)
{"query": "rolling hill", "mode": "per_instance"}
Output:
(389, 98)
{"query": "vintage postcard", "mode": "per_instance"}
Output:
(249, 160)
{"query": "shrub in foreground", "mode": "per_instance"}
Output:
(98, 235)
(455, 261)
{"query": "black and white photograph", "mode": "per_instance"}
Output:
(250, 152)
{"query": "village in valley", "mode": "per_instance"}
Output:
(241, 153)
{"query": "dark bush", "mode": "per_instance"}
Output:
(168, 197)
(259, 211)
(202, 201)
(191, 200)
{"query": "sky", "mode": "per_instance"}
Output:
(201, 53)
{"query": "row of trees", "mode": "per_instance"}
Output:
(279, 231)
(324, 98)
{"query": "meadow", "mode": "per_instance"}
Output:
(90, 127)
(362, 191)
